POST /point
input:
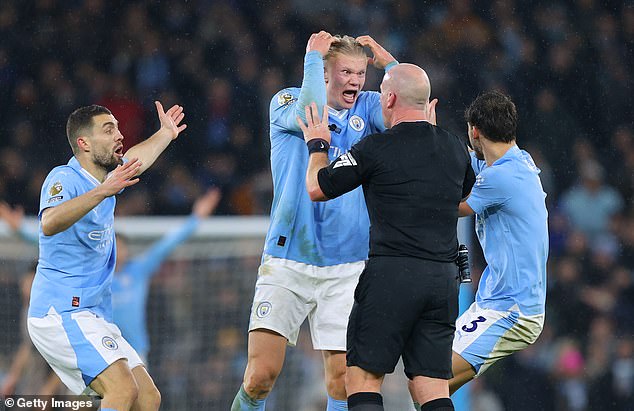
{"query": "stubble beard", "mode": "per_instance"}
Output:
(107, 161)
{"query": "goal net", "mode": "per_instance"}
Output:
(197, 313)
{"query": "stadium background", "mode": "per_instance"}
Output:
(567, 65)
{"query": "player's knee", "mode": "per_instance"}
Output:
(150, 397)
(336, 383)
(127, 392)
(258, 381)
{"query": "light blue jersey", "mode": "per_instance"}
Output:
(130, 286)
(512, 226)
(75, 266)
(327, 233)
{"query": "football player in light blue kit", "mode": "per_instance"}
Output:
(70, 312)
(131, 280)
(314, 252)
(512, 226)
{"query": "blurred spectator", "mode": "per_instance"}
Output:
(590, 204)
(564, 63)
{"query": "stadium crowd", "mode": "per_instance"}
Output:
(565, 64)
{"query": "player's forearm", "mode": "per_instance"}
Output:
(59, 218)
(313, 85)
(149, 150)
(316, 162)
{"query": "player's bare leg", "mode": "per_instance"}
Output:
(116, 386)
(266, 352)
(463, 372)
(335, 375)
(149, 398)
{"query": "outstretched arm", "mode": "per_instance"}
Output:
(57, 219)
(147, 263)
(148, 151)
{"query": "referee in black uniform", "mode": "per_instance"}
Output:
(414, 176)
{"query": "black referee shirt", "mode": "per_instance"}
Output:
(414, 176)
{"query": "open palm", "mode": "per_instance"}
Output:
(171, 120)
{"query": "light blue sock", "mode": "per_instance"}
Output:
(336, 405)
(242, 402)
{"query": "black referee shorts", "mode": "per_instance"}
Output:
(404, 306)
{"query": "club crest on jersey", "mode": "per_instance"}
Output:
(346, 160)
(356, 123)
(285, 99)
(109, 343)
(479, 180)
(264, 309)
(55, 189)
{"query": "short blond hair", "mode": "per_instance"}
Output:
(346, 45)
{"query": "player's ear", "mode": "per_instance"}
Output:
(83, 143)
(475, 132)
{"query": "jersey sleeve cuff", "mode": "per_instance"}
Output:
(390, 65)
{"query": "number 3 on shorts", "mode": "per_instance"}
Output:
(474, 324)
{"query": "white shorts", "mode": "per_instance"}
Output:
(287, 292)
(484, 336)
(79, 346)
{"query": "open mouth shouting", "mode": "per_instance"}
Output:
(118, 151)
(350, 95)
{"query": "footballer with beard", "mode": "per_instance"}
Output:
(70, 312)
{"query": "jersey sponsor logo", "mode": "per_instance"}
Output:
(55, 189)
(264, 309)
(285, 99)
(75, 302)
(99, 235)
(346, 160)
(356, 123)
(109, 343)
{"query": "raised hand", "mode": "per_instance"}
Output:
(170, 120)
(380, 57)
(321, 42)
(121, 177)
(12, 216)
(207, 203)
(316, 127)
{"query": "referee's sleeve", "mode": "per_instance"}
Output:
(346, 173)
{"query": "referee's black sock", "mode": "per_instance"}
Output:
(439, 404)
(365, 401)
